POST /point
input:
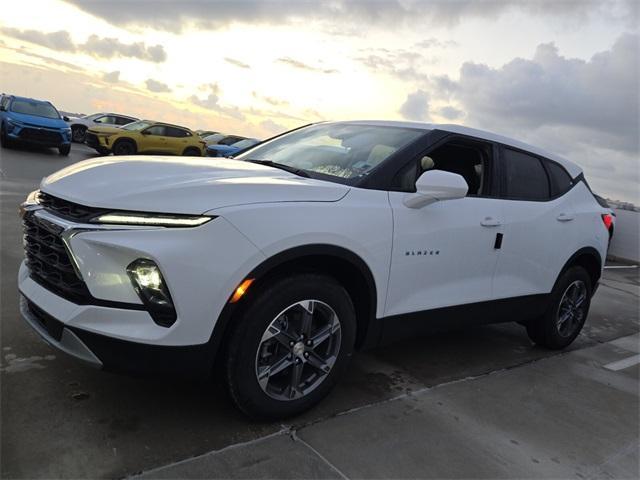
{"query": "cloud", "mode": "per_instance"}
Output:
(303, 66)
(416, 106)
(405, 65)
(272, 127)
(588, 111)
(433, 42)
(101, 47)
(156, 86)
(212, 102)
(60, 40)
(111, 77)
(175, 16)
(236, 62)
(600, 95)
(450, 113)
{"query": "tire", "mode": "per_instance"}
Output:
(567, 311)
(64, 150)
(4, 140)
(191, 152)
(124, 147)
(282, 305)
(78, 134)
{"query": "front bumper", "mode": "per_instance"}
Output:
(44, 137)
(202, 266)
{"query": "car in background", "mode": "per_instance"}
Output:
(206, 133)
(145, 136)
(214, 139)
(35, 122)
(229, 150)
(80, 125)
(610, 218)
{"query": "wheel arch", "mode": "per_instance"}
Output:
(125, 139)
(588, 258)
(348, 268)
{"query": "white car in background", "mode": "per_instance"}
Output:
(80, 125)
(279, 264)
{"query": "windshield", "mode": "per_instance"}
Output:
(340, 150)
(33, 107)
(137, 126)
(247, 142)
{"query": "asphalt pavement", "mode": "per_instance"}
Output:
(477, 403)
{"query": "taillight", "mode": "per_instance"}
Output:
(607, 218)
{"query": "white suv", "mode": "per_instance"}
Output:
(278, 264)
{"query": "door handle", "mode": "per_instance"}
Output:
(563, 217)
(490, 222)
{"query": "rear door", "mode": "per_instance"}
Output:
(178, 140)
(154, 140)
(539, 220)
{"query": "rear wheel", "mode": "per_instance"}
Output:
(124, 147)
(78, 134)
(290, 346)
(64, 149)
(567, 312)
(191, 152)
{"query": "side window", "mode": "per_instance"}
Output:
(175, 132)
(560, 180)
(468, 158)
(525, 177)
(105, 120)
(156, 130)
(123, 120)
(4, 102)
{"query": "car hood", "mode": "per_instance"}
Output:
(105, 130)
(182, 185)
(38, 121)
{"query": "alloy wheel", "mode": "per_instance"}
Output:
(298, 350)
(571, 310)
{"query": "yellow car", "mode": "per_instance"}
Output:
(145, 136)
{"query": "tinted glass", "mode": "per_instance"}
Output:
(560, 180)
(106, 120)
(230, 140)
(155, 130)
(175, 132)
(525, 177)
(32, 107)
(123, 120)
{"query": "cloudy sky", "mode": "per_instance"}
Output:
(561, 74)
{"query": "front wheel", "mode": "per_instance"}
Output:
(64, 149)
(291, 344)
(567, 312)
(124, 147)
(4, 138)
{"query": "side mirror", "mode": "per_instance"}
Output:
(145, 132)
(65, 118)
(3, 108)
(436, 185)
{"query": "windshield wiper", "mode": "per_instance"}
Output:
(281, 166)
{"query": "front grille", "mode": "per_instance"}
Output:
(49, 262)
(40, 135)
(66, 209)
(91, 139)
(51, 325)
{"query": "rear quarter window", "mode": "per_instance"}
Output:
(559, 179)
(525, 177)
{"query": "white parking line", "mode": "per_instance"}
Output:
(624, 363)
(620, 266)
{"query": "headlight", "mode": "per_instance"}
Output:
(150, 286)
(12, 124)
(152, 220)
(31, 200)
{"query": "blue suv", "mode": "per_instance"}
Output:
(31, 121)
